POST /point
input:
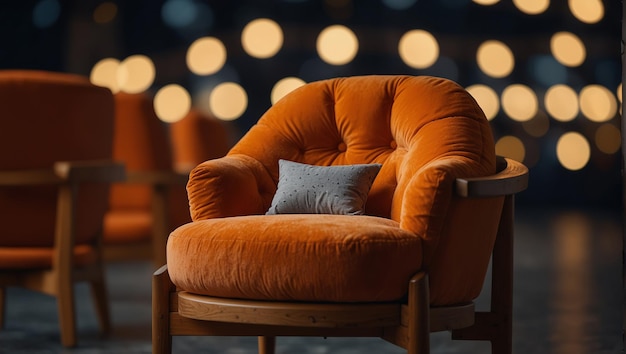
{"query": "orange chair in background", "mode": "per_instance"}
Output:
(56, 163)
(138, 222)
(158, 157)
(199, 137)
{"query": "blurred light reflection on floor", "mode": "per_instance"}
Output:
(567, 300)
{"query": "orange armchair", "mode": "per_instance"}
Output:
(55, 167)
(360, 206)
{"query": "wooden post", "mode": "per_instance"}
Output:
(162, 287)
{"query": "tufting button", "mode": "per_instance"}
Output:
(393, 144)
(342, 147)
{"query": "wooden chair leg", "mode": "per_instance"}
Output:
(161, 289)
(101, 302)
(67, 315)
(419, 320)
(267, 344)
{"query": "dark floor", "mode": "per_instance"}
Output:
(567, 300)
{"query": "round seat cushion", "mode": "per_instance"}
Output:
(301, 257)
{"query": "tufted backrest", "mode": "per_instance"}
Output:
(48, 117)
(425, 131)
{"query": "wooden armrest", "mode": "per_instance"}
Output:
(90, 171)
(157, 177)
(511, 178)
(65, 172)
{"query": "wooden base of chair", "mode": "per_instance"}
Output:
(404, 324)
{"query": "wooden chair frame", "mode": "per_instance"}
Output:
(59, 280)
(407, 324)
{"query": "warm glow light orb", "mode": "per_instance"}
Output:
(284, 86)
(597, 103)
(495, 59)
(538, 126)
(573, 151)
(519, 102)
(568, 49)
(511, 147)
(105, 12)
(487, 99)
(262, 38)
(608, 138)
(561, 102)
(587, 11)
(104, 73)
(206, 56)
(228, 101)
(418, 49)
(135, 74)
(532, 7)
(172, 103)
(486, 2)
(337, 45)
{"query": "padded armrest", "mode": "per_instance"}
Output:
(65, 172)
(229, 186)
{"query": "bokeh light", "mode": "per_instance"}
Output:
(135, 74)
(105, 12)
(561, 102)
(172, 103)
(104, 73)
(337, 45)
(206, 56)
(486, 2)
(597, 103)
(568, 49)
(538, 126)
(587, 11)
(284, 86)
(399, 4)
(179, 13)
(228, 101)
(46, 13)
(487, 99)
(573, 151)
(608, 138)
(495, 59)
(532, 7)
(262, 38)
(418, 49)
(519, 102)
(511, 147)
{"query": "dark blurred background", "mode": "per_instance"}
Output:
(73, 36)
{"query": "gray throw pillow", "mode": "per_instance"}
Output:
(308, 189)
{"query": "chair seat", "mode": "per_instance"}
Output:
(127, 226)
(42, 257)
(334, 258)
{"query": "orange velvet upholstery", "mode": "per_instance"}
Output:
(141, 141)
(36, 113)
(199, 137)
(425, 131)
